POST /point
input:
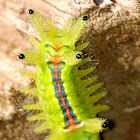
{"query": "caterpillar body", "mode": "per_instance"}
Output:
(65, 102)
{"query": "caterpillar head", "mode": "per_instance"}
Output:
(55, 43)
(67, 35)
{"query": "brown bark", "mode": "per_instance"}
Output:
(113, 30)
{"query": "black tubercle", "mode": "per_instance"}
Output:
(85, 18)
(31, 11)
(78, 56)
(21, 56)
(108, 124)
(75, 44)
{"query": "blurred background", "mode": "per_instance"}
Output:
(113, 28)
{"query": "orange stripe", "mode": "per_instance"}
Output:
(56, 47)
(56, 73)
(56, 77)
(63, 101)
(70, 119)
(55, 59)
(59, 88)
(69, 116)
(72, 126)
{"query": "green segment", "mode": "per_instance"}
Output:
(81, 94)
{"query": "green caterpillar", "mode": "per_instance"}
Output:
(66, 100)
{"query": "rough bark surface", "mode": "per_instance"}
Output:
(114, 32)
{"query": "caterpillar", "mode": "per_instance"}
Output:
(66, 99)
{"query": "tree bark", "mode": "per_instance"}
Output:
(113, 29)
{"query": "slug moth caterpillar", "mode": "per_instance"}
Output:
(66, 100)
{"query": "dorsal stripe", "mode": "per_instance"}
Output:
(69, 117)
